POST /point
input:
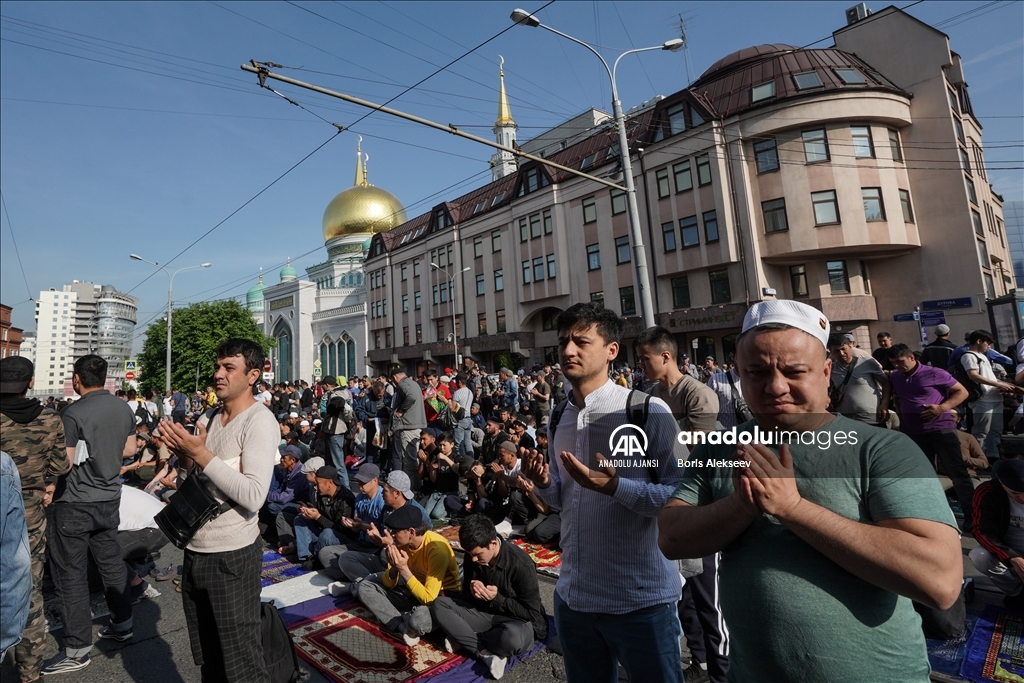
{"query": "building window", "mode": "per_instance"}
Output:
(815, 145)
(862, 147)
(481, 324)
(538, 269)
(627, 301)
(990, 290)
(983, 254)
(676, 118)
(622, 250)
(683, 177)
(526, 272)
(681, 292)
(703, 170)
(908, 211)
(618, 202)
(767, 156)
(874, 209)
(419, 334)
(405, 335)
(551, 266)
(668, 235)
(593, 256)
(826, 208)
(688, 231)
(589, 210)
(597, 298)
(710, 226)
(971, 194)
(499, 320)
(959, 129)
(979, 161)
(481, 286)
(440, 329)
(376, 340)
(976, 220)
(416, 268)
(495, 241)
(720, 292)
(662, 179)
(798, 280)
(524, 232)
(405, 303)
(838, 279)
(965, 161)
(774, 211)
(807, 80)
(535, 225)
(404, 271)
(437, 298)
(864, 277)
(850, 76)
(954, 105)
(499, 280)
(416, 300)
(547, 221)
(762, 91)
(894, 145)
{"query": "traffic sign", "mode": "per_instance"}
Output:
(268, 376)
(957, 302)
(317, 364)
(129, 366)
(932, 318)
(266, 365)
(905, 317)
(318, 372)
(129, 375)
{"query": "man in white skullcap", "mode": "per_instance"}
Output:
(825, 539)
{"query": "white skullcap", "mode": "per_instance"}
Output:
(792, 313)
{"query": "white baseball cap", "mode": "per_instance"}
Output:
(788, 312)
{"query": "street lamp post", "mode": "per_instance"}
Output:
(170, 307)
(524, 18)
(451, 293)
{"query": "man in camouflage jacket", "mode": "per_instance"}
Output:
(34, 438)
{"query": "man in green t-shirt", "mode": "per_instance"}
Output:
(825, 539)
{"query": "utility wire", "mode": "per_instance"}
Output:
(10, 227)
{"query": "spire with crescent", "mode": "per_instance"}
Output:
(503, 163)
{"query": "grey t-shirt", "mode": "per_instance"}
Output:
(863, 392)
(105, 422)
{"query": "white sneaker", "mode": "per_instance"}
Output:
(410, 640)
(495, 664)
(340, 588)
(448, 646)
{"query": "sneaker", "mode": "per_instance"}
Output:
(164, 573)
(150, 593)
(695, 674)
(138, 593)
(448, 646)
(109, 633)
(340, 588)
(495, 664)
(410, 640)
(62, 663)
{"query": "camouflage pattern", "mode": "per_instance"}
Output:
(38, 450)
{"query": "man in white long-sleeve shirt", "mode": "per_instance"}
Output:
(220, 584)
(615, 601)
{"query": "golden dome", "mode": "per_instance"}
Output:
(362, 208)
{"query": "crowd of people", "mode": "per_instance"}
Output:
(350, 476)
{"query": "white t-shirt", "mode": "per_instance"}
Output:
(137, 510)
(981, 364)
(264, 396)
(1015, 532)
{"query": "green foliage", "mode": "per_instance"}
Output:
(196, 332)
(507, 359)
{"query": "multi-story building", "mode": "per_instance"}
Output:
(1013, 212)
(28, 346)
(10, 337)
(850, 177)
(79, 319)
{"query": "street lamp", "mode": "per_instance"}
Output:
(524, 18)
(451, 293)
(170, 305)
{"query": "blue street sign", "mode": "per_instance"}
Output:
(904, 318)
(932, 318)
(942, 304)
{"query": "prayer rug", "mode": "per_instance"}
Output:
(348, 646)
(451, 534)
(947, 656)
(547, 558)
(995, 650)
(277, 568)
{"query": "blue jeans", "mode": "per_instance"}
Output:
(645, 642)
(462, 432)
(336, 444)
(307, 533)
(434, 505)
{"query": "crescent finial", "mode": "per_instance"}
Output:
(501, 62)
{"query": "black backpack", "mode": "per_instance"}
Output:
(278, 648)
(636, 414)
(142, 416)
(959, 373)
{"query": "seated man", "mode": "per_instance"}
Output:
(287, 487)
(441, 477)
(333, 503)
(999, 528)
(285, 519)
(421, 564)
(543, 523)
(369, 509)
(499, 612)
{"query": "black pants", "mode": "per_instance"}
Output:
(474, 630)
(945, 446)
(220, 593)
(137, 545)
(544, 528)
(700, 614)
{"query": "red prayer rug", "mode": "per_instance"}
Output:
(542, 555)
(348, 646)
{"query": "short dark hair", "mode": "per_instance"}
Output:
(609, 325)
(446, 437)
(462, 378)
(477, 531)
(882, 335)
(542, 432)
(657, 339)
(91, 371)
(900, 351)
(837, 339)
(247, 349)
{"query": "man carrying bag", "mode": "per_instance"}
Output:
(234, 450)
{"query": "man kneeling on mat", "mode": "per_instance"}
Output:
(499, 612)
(421, 564)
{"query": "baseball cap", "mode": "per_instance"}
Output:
(399, 481)
(405, 517)
(787, 312)
(15, 374)
(367, 472)
(1010, 474)
(312, 465)
(941, 330)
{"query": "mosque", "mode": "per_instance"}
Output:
(320, 323)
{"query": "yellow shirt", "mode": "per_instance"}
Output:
(433, 569)
(211, 399)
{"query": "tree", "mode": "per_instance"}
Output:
(196, 333)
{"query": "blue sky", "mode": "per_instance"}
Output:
(129, 127)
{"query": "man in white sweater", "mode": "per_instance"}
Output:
(220, 585)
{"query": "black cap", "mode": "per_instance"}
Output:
(327, 472)
(15, 374)
(405, 517)
(1010, 474)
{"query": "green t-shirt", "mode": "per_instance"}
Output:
(793, 614)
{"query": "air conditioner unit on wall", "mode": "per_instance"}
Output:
(856, 13)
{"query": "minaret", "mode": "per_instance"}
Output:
(361, 160)
(503, 163)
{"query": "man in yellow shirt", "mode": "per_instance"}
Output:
(421, 565)
(210, 399)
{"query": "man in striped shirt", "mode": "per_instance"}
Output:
(615, 601)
